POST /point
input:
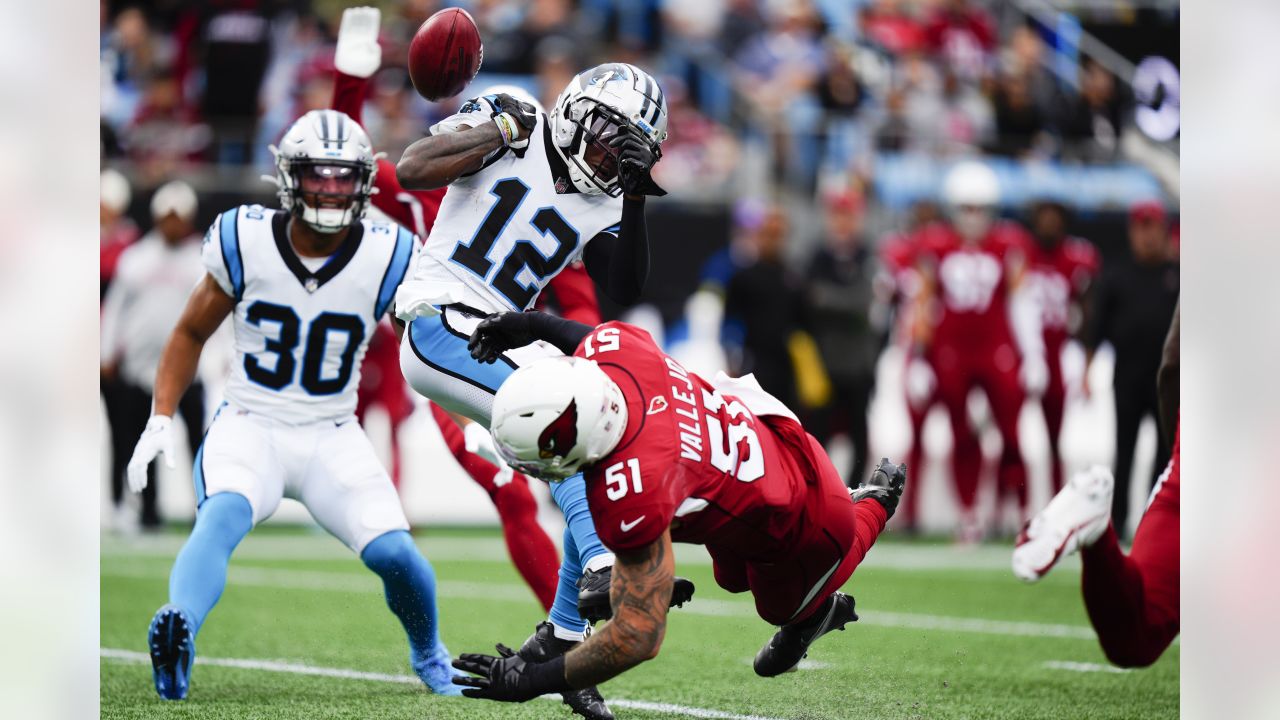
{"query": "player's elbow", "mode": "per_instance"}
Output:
(642, 636)
(414, 173)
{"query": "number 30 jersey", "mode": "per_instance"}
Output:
(300, 334)
(503, 232)
(717, 463)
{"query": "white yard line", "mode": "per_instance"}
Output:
(1073, 666)
(130, 656)
(506, 592)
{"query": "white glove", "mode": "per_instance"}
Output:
(479, 441)
(156, 438)
(358, 52)
(920, 382)
(1034, 375)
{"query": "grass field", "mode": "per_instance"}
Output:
(302, 632)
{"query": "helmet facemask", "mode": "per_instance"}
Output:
(595, 126)
(328, 195)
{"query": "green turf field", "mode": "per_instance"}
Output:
(302, 632)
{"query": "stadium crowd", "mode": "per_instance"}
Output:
(824, 86)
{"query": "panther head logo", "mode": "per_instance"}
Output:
(561, 434)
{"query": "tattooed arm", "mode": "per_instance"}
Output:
(640, 593)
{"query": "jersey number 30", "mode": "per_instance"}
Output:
(281, 375)
(474, 255)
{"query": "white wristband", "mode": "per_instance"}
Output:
(506, 127)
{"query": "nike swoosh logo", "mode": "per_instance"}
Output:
(627, 526)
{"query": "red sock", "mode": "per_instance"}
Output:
(532, 551)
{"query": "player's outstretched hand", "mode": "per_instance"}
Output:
(499, 333)
(520, 117)
(156, 438)
(636, 158)
(358, 53)
(508, 677)
(885, 486)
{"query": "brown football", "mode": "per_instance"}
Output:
(445, 54)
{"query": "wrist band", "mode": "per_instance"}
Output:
(506, 127)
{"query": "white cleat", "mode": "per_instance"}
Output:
(1075, 518)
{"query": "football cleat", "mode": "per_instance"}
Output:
(791, 643)
(884, 486)
(1076, 517)
(542, 646)
(435, 669)
(171, 640)
(593, 594)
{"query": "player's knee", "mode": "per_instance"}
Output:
(390, 551)
(226, 515)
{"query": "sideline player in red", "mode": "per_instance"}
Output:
(670, 457)
(983, 338)
(1133, 601)
(1060, 269)
(357, 58)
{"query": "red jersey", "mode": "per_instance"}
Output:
(972, 282)
(1059, 277)
(693, 458)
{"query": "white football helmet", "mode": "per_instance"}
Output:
(596, 104)
(971, 191)
(330, 151)
(554, 417)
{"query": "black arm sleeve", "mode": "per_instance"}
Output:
(564, 334)
(620, 264)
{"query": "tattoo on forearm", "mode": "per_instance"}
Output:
(640, 594)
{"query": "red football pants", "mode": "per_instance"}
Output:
(995, 371)
(839, 534)
(532, 552)
(1133, 601)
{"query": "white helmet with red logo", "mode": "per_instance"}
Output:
(554, 417)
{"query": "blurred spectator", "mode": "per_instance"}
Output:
(1093, 124)
(886, 24)
(116, 230)
(962, 36)
(698, 153)
(231, 40)
(154, 277)
(129, 55)
(513, 48)
(764, 296)
(1024, 56)
(838, 297)
(741, 22)
(1131, 308)
(1060, 269)
(1020, 123)
(165, 135)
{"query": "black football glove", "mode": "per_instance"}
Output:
(509, 678)
(636, 158)
(885, 486)
(525, 115)
(499, 333)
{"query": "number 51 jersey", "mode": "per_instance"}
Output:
(716, 463)
(503, 232)
(300, 333)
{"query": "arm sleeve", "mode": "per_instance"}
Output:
(349, 93)
(215, 260)
(620, 263)
(564, 334)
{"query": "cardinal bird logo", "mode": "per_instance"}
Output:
(561, 435)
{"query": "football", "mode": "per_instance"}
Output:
(445, 54)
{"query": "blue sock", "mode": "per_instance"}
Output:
(200, 571)
(410, 584)
(571, 496)
(564, 609)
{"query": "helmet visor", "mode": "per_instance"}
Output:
(327, 185)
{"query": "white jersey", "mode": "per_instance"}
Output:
(300, 335)
(503, 232)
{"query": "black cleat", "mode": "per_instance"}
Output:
(593, 594)
(791, 643)
(542, 646)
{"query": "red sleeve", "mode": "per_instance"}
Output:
(576, 293)
(624, 518)
(349, 93)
